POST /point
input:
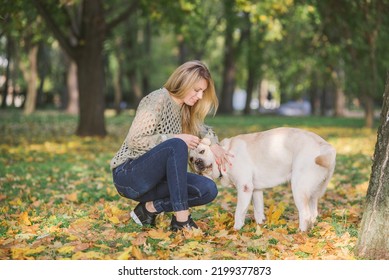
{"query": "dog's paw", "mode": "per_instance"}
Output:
(259, 219)
(238, 226)
(306, 226)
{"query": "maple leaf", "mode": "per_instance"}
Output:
(140, 239)
(23, 252)
(125, 255)
(73, 197)
(159, 234)
(24, 219)
(91, 255)
(194, 233)
(65, 249)
(137, 253)
(274, 213)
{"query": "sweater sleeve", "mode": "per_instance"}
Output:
(143, 133)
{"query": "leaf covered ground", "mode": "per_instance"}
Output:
(57, 200)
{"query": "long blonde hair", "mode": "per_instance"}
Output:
(180, 82)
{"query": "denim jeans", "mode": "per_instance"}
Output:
(161, 176)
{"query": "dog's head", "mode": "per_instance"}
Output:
(202, 161)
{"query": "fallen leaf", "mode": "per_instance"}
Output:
(274, 213)
(136, 252)
(159, 234)
(24, 219)
(92, 255)
(140, 239)
(66, 249)
(73, 197)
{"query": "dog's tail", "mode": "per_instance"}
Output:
(327, 156)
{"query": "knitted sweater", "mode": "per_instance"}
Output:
(157, 119)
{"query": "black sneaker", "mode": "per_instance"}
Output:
(142, 216)
(176, 225)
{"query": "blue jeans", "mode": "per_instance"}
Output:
(161, 176)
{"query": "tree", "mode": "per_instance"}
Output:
(89, 26)
(373, 242)
(17, 24)
(231, 48)
(356, 28)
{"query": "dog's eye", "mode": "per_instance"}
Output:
(202, 152)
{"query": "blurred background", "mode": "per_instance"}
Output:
(284, 57)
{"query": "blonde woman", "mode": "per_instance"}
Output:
(151, 165)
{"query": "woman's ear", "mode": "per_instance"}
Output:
(206, 141)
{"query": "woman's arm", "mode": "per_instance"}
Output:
(143, 132)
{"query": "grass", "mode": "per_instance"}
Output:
(57, 200)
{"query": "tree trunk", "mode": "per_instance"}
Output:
(7, 72)
(145, 72)
(43, 69)
(182, 49)
(373, 242)
(31, 77)
(90, 71)
(251, 67)
(368, 106)
(72, 106)
(117, 87)
(229, 67)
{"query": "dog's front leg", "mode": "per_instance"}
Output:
(245, 194)
(259, 213)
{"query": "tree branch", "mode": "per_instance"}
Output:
(75, 28)
(54, 27)
(121, 17)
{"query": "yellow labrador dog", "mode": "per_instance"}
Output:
(267, 159)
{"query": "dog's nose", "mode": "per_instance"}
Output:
(199, 164)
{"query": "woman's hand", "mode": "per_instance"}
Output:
(221, 156)
(190, 140)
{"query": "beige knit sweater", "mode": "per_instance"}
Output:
(157, 119)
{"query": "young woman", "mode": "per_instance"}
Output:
(151, 165)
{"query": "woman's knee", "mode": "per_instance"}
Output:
(178, 145)
(213, 190)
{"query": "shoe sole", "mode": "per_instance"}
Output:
(135, 218)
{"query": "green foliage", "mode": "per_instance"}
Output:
(296, 44)
(57, 199)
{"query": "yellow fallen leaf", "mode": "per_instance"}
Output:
(125, 255)
(140, 239)
(72, 197)
(159, 234)
(92, 255)
(22, 253)
(136, 252)
(66, 249)
(114, 220)
(274, 214)
(222, 234)
(307, 248)
(16, 202)
(195, 233)
(23, 218)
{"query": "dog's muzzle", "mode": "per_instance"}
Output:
(199, 163)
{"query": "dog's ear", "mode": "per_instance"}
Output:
(206, 141)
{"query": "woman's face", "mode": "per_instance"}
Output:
(195, 93)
